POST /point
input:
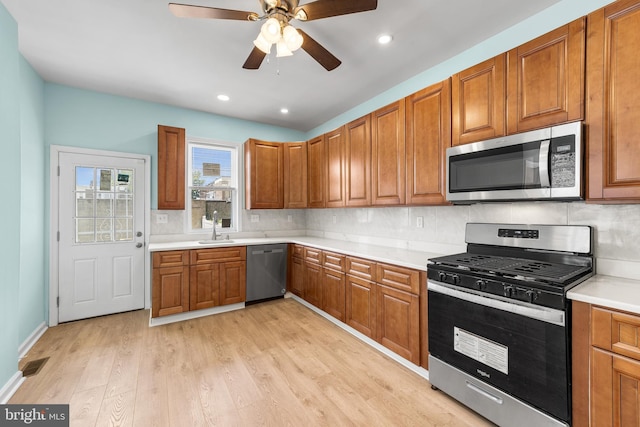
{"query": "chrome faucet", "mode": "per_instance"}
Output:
(214, 236)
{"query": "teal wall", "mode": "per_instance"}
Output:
(81, 118)
(33, 264)
(10, 189)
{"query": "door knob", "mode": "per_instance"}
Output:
(138, 245)
(139, 234)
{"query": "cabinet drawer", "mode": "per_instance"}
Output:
(170, 258)
(298, 251)
(204, 256)
(616, 331)
(361, 268)
(313, 255)
(333, 261)
(404, 279)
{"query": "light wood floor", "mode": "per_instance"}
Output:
(272, 364)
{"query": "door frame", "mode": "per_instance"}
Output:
(54, 195)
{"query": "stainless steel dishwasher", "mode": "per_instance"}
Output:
(266, 272)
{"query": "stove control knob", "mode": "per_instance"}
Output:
(508, 291)
(481, 285)
(532, 295)
(456, 279)
(442, 277)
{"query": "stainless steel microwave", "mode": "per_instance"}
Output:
(544, 164)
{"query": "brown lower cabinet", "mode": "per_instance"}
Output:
(378, 300)
(195, 279)
(606, 361)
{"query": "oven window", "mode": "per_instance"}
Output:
(508, 168)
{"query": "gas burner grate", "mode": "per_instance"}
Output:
(524, 268)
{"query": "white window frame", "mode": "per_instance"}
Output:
(236, 180)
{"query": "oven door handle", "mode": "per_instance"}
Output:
(549, 315)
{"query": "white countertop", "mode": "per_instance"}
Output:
(401, 257)
(609, 291)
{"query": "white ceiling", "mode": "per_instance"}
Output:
(138, 49)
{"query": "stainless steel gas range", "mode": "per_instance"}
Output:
(499, 332)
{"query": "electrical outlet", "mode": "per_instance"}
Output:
(335, 219)
(289, 218)
(255, 218)
(162, 218)
(420, 222)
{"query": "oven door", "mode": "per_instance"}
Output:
(518, 348)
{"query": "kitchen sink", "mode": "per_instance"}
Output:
(214, 242)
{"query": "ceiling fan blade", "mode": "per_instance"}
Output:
(190, 11)
(254, 60)
(326, 8)
(319, 53)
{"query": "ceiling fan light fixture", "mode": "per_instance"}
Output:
(271, 30)
(261, 43)
(292, 38)
(282, 49)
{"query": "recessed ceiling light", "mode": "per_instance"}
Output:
(384, 39)
(284, 110)
(223, 97)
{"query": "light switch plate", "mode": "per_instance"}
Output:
(255, 218)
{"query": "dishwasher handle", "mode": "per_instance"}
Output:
(268, 251)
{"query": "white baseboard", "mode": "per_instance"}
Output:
(156, 321)
(401, 360)
(11, 387)
(31, 340)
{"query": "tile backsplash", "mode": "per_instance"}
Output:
(616, 227)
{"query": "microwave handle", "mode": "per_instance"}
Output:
(543, 164)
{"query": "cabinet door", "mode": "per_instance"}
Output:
(204, 286)
(316, 172)
(295, 175)
(333, 293)
(358, 162)
(478, 102)
(398, 319)
(264, 174)
(171, 176)
(388, 155)
(233, 282)
(615, 381)
(545, 80)
(313, 284)
(334, 142)
(613, 104)
(170, 291)
(296, 284)
(360, 311)
(428, 127)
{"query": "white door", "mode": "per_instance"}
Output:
(101, 242)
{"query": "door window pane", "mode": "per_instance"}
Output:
(104, 205)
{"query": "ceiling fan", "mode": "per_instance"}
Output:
(276, 29)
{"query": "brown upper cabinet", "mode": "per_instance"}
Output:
(428, 134)
(335, 159)
(295, 175)
(358, 162)
(478, 101)
(264, 174)
(545, 79)
(613, 106)
(316, 172)
(171, 175)
(388, 156)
